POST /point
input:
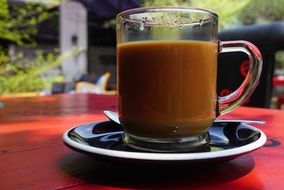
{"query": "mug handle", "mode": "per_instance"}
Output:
(235, 99)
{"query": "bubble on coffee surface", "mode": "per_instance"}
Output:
(126, 27)
(176, 130)
(162, 21)
(201, 22)
(141, 27)
(143, 22)
(175, 22)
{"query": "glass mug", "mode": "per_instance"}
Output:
(167, 75)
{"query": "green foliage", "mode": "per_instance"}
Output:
(4, 9)
(165, 2)
(22, 75)
(227, 11)
(17, 23)
(259, 11)
(279, 58)
(18, 26)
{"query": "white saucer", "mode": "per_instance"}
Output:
(103, 139)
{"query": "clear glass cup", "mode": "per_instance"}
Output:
(167, 73)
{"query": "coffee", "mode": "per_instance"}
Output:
(167, 59)
(167, 89)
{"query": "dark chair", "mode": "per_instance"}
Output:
(232, 67)
(62, 87)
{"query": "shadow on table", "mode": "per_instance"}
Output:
(131, 175)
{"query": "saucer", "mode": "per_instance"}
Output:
(103, 139)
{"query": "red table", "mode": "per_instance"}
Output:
(32, 155)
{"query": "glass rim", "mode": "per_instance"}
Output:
(165, 8)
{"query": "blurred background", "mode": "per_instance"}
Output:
(52, 46)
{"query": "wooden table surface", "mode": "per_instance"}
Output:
(32, 155)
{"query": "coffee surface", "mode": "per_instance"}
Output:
(167, 88)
